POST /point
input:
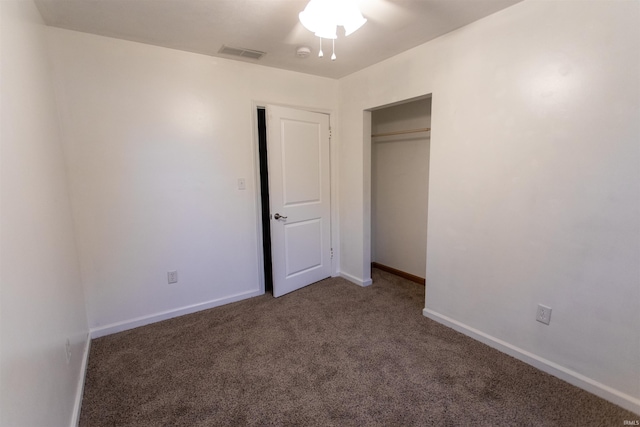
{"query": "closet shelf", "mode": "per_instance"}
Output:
(400, 132)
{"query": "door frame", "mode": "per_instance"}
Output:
(333, 177)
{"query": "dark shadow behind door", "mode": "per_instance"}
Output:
(264, 196)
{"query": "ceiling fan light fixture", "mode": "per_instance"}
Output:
(353, 21)
(325, 31)
(323, 17)
(317, 18)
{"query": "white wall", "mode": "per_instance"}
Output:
(534, 183)
(41, 296)
(400, 187)
(156, 140)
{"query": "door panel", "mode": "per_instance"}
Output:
(301, 169)
(303, 246)
(299, 193)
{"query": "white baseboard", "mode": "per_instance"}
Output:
(169, 314)
(612, 395)
(77, 407)
(354, 279)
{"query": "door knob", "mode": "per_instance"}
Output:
(278, 216)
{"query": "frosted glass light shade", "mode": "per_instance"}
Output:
(352, 19)
(322, 17)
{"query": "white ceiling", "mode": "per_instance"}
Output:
(272, 26)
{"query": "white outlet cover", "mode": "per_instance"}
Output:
(241, 184)
(543, 315)
(172, 276)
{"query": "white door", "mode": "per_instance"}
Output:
(299, 195)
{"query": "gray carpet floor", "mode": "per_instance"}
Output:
(331, 354)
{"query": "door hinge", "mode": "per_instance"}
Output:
(330, 133)
(331, 253)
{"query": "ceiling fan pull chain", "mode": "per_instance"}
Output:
(333, 56)
(320, 54)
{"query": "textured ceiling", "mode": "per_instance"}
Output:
(272, 26)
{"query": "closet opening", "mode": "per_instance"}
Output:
(400, 148)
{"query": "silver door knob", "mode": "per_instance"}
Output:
(278, 216)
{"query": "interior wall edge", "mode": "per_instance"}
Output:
(75, 420)
(43, 319)
(367, 239)
(356, 280)
(574, 378)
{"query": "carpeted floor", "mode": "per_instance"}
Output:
(331, 354)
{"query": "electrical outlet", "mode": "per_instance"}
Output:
(543, 314)
(172, 276)
(67, 349)
(241, 184)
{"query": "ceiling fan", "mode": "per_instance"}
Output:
(386, 13)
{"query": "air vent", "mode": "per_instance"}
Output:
(244, 53)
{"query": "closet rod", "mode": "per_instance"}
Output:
(401, 132)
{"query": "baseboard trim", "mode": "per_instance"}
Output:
(411, 277)
(169, 314)
(354, 279)
(608, 393)
(77, 406)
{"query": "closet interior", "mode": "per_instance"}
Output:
(400, 138)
